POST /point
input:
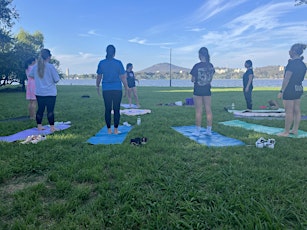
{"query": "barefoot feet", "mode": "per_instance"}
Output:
(283, 134)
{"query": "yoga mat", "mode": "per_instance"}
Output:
(21, 118)
(134, 112)
(127, 106)
(103, 138)
(215, 140)
(280, 110)
(261, 128)
(34, 131)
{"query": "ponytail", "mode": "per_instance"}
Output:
(44, 55)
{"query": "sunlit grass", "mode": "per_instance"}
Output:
(171, 182)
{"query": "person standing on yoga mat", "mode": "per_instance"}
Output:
(112, 73)
(30, 92)
(131, 85)
(46, 77)
(202, 74)
(292, 89)
(248, 77)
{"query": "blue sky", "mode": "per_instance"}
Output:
(144, 32)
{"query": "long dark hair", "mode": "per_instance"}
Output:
(110, 51)
(29, 62)
(205, 53)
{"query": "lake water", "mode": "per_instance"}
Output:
(186, 83)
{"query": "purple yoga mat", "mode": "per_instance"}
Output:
(34, 131)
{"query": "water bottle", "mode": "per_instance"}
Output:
(138, 121)
(233, 105)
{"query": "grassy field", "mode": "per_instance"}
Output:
(169, 183)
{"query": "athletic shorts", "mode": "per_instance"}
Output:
(202, 90)
(293, 94)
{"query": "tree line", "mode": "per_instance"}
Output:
(16, 49)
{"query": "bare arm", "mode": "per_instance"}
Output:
(123, 78)
(98, 80)
(285, 82)
(192, 78)
(250, 79)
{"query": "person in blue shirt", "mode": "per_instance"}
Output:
(112, 74)
(248, 77)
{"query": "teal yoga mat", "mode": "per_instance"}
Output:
(103, 138)
(215, 140)
(261, 128)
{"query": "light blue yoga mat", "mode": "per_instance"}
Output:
(34, 131)
(261, 128)
(103, 138)
(215, 140)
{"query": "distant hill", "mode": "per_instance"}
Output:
(164, 68)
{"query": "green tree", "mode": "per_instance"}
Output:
(7, 16)
(26, 45)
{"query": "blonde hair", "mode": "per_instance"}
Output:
(44, 55)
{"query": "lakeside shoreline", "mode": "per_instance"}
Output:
(185, 83)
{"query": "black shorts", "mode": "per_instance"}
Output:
(202, 90)
(293, 94)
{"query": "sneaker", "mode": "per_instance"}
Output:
(143, 140)
(260, 143)
(135, 141)
(126, 124)
(270, 143)
(27, 140)
(38, 139)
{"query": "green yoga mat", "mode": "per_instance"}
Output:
(261, 128)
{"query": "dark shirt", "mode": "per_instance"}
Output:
(246, 78)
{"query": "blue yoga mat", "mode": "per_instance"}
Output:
(103, 138)
(261, 128)
(215, 140)
(34, 131)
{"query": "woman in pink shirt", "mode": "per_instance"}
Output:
(30, 93)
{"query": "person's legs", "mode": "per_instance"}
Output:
(129, 96)
(136, 96)
(117, 97)
(198, 103)
(289, 107)
(296, 116)
(248, 99)
(107, 97)
(50, 102)
(40, 111)
(207, 100)
(32, 108)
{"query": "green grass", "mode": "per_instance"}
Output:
(169, 183)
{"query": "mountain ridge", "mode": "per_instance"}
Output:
(165, 68)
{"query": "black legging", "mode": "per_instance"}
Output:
(112, 98)
(248, 99)
(42, 102)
